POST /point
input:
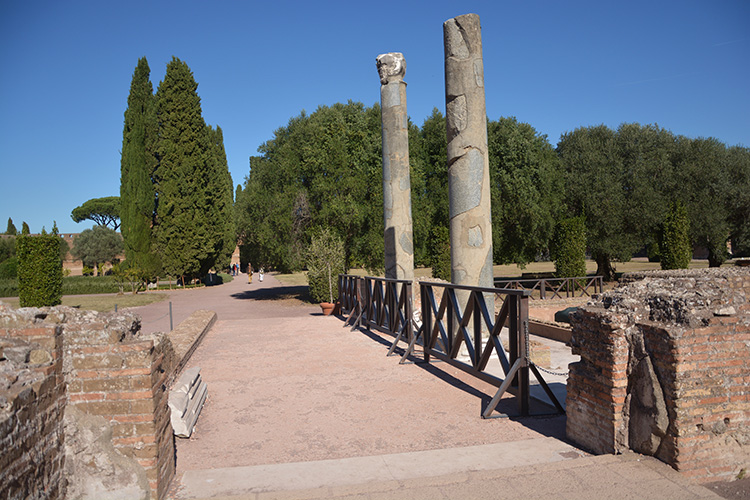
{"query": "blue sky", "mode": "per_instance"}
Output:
(557, 65)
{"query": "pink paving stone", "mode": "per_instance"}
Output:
(286, 384)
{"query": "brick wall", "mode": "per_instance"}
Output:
(115, 373)
(100, 363)
(32, 401)
(664, 371)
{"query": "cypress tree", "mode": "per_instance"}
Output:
(220, 193)
(676, 248)
(183, 229)
(568, 248)
(11, 227)
(137, 165)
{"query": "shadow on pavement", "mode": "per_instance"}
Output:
(544, 418)
(276, 293)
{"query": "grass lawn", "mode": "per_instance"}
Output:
(512, 270)
(102, 302)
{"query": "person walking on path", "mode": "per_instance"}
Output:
(249, 273)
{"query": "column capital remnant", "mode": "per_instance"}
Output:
(391, 67)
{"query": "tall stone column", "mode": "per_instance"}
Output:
(399, 243)
(468, 160)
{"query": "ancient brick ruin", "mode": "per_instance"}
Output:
(665, 371)
(83, 402)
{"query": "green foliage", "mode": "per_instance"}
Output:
(220, 186)
(85, 285)
(7, 248)
(594, 189)
(440, 258)
(103, 211)
(9, 268)
(326, 259)
(87, 271)
(568, 248)
(11, 228)
(126, 274)
(97, 246)
(675, 249)
(704, 184)
(39, 270)
(25, 228)
(738, 172)
(526, 191)
(8, 287)
(429, 178)
(137, 165)
(321, 170)
(191, 230)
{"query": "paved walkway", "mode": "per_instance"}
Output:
(300, 407)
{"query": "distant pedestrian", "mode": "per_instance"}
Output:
(260, 274)
(249, 273)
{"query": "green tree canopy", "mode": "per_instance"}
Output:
(526, 191)
(137, 165)
(738, 171)
(675, 248)
(103, 211)
(594, 189)
(11, 228)
(321, 170)
(703, 181)
(98, 245)
(192, 186)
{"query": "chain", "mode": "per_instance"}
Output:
(560, 374)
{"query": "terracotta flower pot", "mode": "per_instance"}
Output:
(327, 308)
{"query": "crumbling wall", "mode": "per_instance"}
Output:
(32, 401)
(118, 374)
(665, 370)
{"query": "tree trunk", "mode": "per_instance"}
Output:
(605, 268)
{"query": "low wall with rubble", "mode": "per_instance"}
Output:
(664, 371)
(110, 382)
(32, 399)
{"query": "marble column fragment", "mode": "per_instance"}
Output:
(468, 160)
(399, 245)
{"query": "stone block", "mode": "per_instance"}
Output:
(186, 401)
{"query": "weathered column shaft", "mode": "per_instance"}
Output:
(468, 161)
(399, 244)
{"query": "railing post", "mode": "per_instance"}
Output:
(477, 312)
(543, 289)
(426, 320)
(523, 341)
(513, 334)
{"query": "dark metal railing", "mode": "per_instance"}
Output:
(453, 322)
(381, 304)
(555, 288)
(462, 317)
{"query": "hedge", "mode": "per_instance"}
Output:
(39, 270)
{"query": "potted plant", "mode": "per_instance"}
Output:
(325, 260)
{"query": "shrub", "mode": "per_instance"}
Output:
(676, 249)
(39, 270)
(9, 268)
(8, 287)
(440, 254)
(325, 260)
(85, 285)
(569, 248)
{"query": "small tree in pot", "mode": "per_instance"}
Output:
(325, 260)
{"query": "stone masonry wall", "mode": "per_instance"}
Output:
(83, 403)
(32, 400)
(664, 371)
(115, 373)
